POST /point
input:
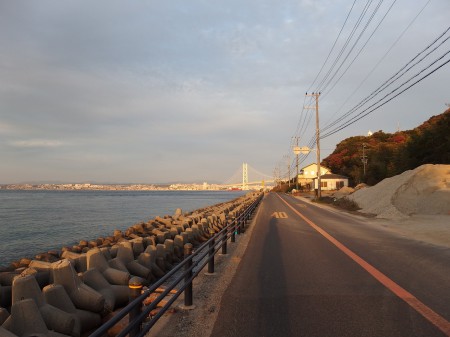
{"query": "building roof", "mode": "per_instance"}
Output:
(332, 176)
(315, 166)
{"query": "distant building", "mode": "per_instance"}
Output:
(328, 181)
(308, 173)
(331, 182)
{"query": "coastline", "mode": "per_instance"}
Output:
(120, 187)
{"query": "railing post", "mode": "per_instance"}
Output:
(188, 270)
(135, 287)
(233, 230)
(239, 222)
(212, 244)
(224, 242)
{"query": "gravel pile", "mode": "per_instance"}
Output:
(424, 190)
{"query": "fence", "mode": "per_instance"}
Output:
(184, 273)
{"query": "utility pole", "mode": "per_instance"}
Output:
(288, 160)
(364, 159)
(296, 152)
(316, 97)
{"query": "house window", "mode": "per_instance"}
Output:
(323, 184)
(339, 184)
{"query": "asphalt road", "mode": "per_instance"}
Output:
(366, 281)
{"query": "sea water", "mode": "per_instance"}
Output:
(33, 222)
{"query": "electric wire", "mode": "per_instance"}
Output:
(390, 81)
(364, 113)
(332, 48)
(352, 48)
(355, 27)
(379, 61)
(359, 52)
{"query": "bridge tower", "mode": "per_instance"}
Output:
(244, 176)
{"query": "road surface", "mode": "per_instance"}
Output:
(311, 271)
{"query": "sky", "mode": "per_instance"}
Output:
(181, 91)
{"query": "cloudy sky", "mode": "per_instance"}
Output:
(158, 91)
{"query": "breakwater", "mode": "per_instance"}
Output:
(73, 290)
(32, 222)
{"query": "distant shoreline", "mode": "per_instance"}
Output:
(116, 187)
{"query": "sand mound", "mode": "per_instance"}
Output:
(343, 192)
(424, 190)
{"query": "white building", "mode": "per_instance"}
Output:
(328, 180)
(331, 182)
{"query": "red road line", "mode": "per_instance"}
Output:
(440, 322)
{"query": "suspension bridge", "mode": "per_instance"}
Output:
(247, 177)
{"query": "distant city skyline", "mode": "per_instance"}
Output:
(177, 91)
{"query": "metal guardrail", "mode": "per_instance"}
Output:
(192, 264)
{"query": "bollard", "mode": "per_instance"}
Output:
(212, 244)
(188, 270)
(135, 287)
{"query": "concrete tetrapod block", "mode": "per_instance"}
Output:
(126, 255)
(148, 259)
(56, 295)
(138, 246)
(161, 252)
(7, 277)
(4, 314)
(6, 333)
(185, 237)
(170, 248)
(5, 296)
(144, 259)
(173, 232)
(115, 296)
(191, 237)
(118, 264)
(178, 243)
(42, 277)
(27, 287)
(26, 320)
(83, 296)
(79, 260)
(96, 259)
(149, 241)
(125, 252)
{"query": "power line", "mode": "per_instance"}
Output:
(355, 27)
(362, 114)
(391, 80)
(353, 47)
(332, 48)
(381, 59)
(360, 50)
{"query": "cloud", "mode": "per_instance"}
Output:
(146, 90)
(37, 143)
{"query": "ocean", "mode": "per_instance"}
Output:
(33, 222)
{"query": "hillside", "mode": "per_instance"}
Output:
(391, 154)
